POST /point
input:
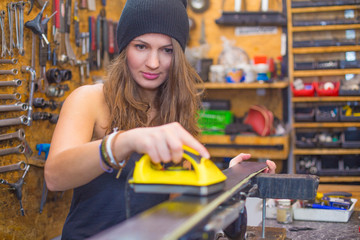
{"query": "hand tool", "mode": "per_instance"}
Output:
(17, 187)
(91, 5)
(20, 27)
(105, 40)
(11, 10)
(62, 57)
(19, 106)
(98, 42)
(296, 229)
(205, 179)
(13, 71)
(4, 49)
(13, 167)
(69, 51)
(76, 24)
(83, 4)
(15, 82)
(19, 134)
(35, 24)
(41, 103)
(15, 96)
(53, 118)
(19, 149)
(9, 61)
(56, 91)
(111, 39)
(32, 72)
(43, 148)
(14, 121)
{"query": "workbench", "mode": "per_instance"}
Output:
(323, 230)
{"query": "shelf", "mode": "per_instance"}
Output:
(272, 147)
(327, 99)
(327, 72)
(327, 49)
(254, 85)
(323, 9)
(269, 18)
(325, 28)
(340, 179)
(325, 151)
(326, 124)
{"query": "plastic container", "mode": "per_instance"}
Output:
(327, 92)
(284, 211)
(335, 142)
(306, 140)
(327, 114)
(308, 91)
(351, 139)
(351, 118)
(214, 121)
(304, 114)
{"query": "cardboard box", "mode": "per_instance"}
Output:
(324, 215)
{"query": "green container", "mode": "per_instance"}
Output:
(214, 121)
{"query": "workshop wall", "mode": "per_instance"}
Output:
(48, 224)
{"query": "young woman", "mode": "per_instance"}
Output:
(150, 97)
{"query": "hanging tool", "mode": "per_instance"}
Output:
(14, 96)
(204, 179)
(17, 187)
(32, 72)
(14, 121)
(13, 167)
(15, 83)
(19, 134)
(76, 23)
(35, 24)
(69, 51)
(43, 148)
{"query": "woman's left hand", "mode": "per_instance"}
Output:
(245, 156)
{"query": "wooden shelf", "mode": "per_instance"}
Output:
(254, 85)
(327, 72)
(326, 124)
(325, 28)
(340, 179)
(327, 49)
(327, 99)
(272, 147)
(323, 151)
(323, 9)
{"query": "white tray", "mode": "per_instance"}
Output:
(324, 215)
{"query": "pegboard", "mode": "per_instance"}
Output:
(48, 224)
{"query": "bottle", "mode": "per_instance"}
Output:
(284, 211)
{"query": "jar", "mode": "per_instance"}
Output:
(284, 211)
(217, 73)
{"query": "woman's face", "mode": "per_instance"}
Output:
(149, 58)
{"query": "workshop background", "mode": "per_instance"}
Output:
(272, 59)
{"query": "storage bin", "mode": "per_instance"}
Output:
(327, 64)
(304, 66)
(352, 110)
(352, 164)
(329, 165)
(306, 140)
(320, 91)
(335, 142)
(304, 114)
(308, 91)
(214, 121)
(351, 139)
(327, 114)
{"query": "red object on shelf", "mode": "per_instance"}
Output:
(327, 92)
(308, 91)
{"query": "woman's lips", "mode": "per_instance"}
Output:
(150, 76)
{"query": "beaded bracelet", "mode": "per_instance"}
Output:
(108, 168)
(105, 154)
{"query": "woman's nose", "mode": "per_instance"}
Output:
(153, 60)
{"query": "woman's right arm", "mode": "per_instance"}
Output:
(73, 158)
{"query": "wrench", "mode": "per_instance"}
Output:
(3, 37)
(14, 121)
(10, 9)
(15, 96)
(32, 72)
(13, 167)
(15, 82)
(21, 6)
(19, 134)
(19, 106)
(10, 61)
(22, 148)
(13, 71)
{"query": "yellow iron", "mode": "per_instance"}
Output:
(202, 179)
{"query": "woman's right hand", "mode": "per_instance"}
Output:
(162, 143)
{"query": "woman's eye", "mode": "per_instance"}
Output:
(168, 50)
(140, 46)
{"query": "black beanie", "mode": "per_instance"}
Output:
(168, 17)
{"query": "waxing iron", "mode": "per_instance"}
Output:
(204, 177)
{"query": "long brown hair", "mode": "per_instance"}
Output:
(177, 100)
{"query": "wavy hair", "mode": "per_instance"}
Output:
(177, 100)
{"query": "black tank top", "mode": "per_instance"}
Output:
(101, 203)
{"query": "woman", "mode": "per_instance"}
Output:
(150, 96)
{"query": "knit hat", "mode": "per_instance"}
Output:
(167, 17)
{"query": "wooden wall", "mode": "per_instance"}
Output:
(49, 223)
